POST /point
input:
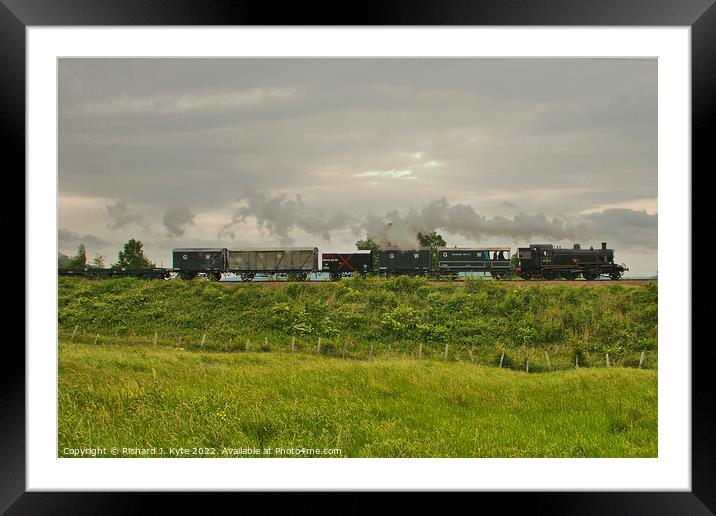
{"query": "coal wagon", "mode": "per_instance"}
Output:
(296, 262)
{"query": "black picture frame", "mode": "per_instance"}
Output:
(700, 15)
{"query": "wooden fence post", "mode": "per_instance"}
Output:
(179, 341)
(389, 349)
(246, 348)
(318, 346)
(546, 357)
(608, 360)
(576, 361)
(154, 339)
(343, 351)
(502, 358)
(370, 353)
(293, 344)
(203, 340)
(446, 351)
(96, 338)
(267, 346)
(134, 337)
(74, 332)
(420, 350)
(469, 352)
(641, 359)
(228, 343)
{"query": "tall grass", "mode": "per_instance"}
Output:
(144, 397)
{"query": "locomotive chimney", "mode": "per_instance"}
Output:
(604, 246)
(576, 246)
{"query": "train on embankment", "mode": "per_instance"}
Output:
(538, 261)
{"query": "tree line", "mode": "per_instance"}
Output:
(130, 257)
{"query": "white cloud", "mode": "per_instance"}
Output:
(393, 174)
(649, 206)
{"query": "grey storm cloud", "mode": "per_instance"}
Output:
(176, 218)
(68, 239)
(121, 216)
(280, 214)
(330, 148)
(631, 228)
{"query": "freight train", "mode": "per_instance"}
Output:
(538, 261)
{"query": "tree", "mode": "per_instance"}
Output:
(63, 261)
(433, 241)
(369, 245)
(132, 257)
(78, 261)
(98, 261)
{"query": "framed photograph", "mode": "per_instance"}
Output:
(421, 253)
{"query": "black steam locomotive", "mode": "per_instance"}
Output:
(548, 262)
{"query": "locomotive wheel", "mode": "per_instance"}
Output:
(549, 275)
(615, 275)
(527, 276)
(590, 276)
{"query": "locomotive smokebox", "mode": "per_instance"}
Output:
(576, 246)
(604, 246)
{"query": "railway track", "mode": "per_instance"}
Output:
(516, 283)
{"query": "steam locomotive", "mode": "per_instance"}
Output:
(548, 262)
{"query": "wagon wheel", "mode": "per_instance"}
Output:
(215, 276)
(496, 275)
(301, 276)
(247, 276)
(186, 275)
(335, 276)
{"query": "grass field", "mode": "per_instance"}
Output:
(212, 402)
(478, 320)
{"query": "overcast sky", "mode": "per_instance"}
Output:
(250, 152)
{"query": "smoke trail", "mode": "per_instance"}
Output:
(400, 229)
(280, 214)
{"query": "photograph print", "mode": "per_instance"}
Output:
(357, 257)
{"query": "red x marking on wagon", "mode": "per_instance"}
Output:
(344, 262)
